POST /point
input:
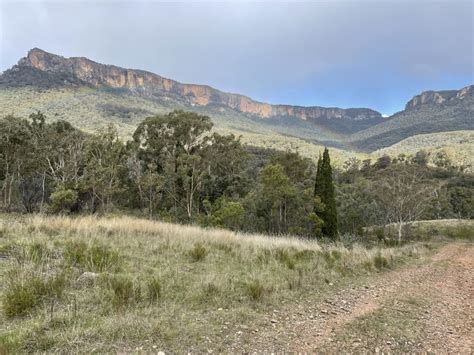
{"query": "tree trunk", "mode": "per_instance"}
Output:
(400, 229)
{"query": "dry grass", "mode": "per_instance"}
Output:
(133, 283)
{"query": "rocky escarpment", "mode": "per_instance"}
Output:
(439, 97)
(38, 66)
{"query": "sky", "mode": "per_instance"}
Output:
(350, 53)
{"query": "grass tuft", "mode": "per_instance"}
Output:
(153, 290)
(95, 258)
(255, 289)
(380, 262)
(198, 253)
(23, 295)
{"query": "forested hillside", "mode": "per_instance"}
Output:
(174, 168)
(429, 114)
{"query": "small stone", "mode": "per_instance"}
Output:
(273, 321)
(389, 342)
(161, 353)
(324, 311)
(239, 332)
(86, 279)
(220, 309)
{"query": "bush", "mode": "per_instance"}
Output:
(18, 300)
(198, 253)
(24, 294)
(228, 214)
(63, 200)
(380, 234)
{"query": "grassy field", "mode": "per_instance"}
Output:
(125, 284)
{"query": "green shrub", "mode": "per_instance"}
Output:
(22, 295)
(198, 253)
(18, 300)
(380, 234)
(63, 199)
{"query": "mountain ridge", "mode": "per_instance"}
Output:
(90, 94)
(76, 71)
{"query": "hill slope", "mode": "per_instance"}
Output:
(91, 284)
(428, 112)
(458, 145)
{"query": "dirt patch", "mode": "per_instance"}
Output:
(440, 295)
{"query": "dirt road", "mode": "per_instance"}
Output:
(424, 308)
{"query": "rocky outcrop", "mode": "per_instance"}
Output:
(82, 70)
(439, 97)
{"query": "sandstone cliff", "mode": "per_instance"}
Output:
(439, 97)
(82, 71)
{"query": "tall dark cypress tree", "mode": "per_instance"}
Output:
(319, 183)
(324, 188)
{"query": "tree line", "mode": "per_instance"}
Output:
(176, 169)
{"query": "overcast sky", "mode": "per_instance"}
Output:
(348, 53)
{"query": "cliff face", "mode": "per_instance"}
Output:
(82, 70)
(439, 97)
